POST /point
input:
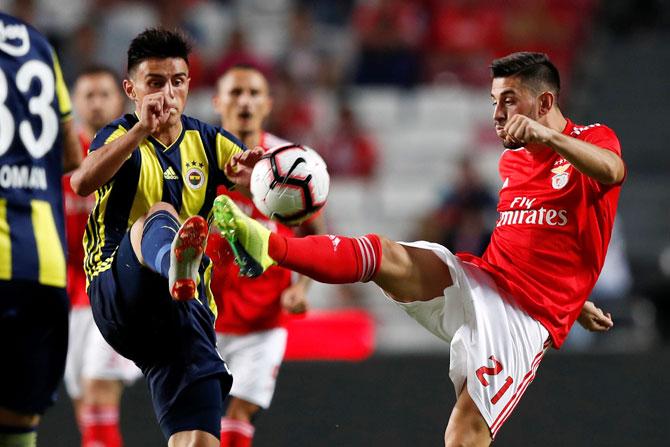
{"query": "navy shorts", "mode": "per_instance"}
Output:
(173, 343)
(33, 344)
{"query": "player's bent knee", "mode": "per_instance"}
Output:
(102, 392)
(242, 410)
(162, 206)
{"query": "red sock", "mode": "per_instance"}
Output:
(235, 433)
(100, 426)
(327, 258)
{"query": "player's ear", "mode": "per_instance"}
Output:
(129, 89)
(546, 101)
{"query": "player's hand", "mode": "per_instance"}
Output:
(154, 112)
(526, 131)
(238, 170)
(294, 299)
(594, 319)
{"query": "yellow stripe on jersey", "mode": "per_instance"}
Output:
(195, 169)
(150, 184)
(96, 226)
(5, 243)
(61, 91)
(49, 248)
(225, 149)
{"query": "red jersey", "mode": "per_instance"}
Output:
(245, 304)
(552, 233)
(77, 209)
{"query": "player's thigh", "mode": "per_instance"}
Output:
(33, 340)
(466, 425)
(133, 309)
(409, 273)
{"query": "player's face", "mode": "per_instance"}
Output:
(97, 99)
(243, 100)
(510, 97)
(168, 76)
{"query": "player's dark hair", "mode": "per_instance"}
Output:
(157, 43)
(97, 69)
(535, 70)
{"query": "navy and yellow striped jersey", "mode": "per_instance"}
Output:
(33, 102)
(185, 175)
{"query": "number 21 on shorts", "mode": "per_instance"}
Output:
(494, 371)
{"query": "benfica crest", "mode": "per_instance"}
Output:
(561, 176)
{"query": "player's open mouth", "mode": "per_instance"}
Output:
(244, 115)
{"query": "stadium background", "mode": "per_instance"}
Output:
(394, 93)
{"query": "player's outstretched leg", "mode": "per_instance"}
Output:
(407, 273)
(185, 256)
(247, 238)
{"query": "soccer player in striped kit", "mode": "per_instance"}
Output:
(38, 143)
(155, 173)
(560, 184)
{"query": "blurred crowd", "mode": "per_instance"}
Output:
(326, 43)
(311, 47)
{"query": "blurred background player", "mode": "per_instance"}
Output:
(149, 290)
(94, 372)
(502, 311)
(249, 333)
(37, 144)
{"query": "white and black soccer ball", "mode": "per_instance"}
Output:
(290, 183)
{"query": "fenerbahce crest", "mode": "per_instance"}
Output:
(561, 176)
(194, 177)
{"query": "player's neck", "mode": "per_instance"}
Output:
(555, 120)
(250, 139)
(168, 135)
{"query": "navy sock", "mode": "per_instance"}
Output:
(159, 230)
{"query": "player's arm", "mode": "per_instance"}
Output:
(294, 298)
(71, 149)
(598, 163)
(102, 164)
(594, 319)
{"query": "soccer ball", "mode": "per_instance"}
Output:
(290, 183)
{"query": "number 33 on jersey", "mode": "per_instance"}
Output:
(33, 102)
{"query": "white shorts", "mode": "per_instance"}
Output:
(254, 360)
(495, 346)
(90, 357)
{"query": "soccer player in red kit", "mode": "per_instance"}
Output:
(249, 331)
(94, 372)
(501, 312)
